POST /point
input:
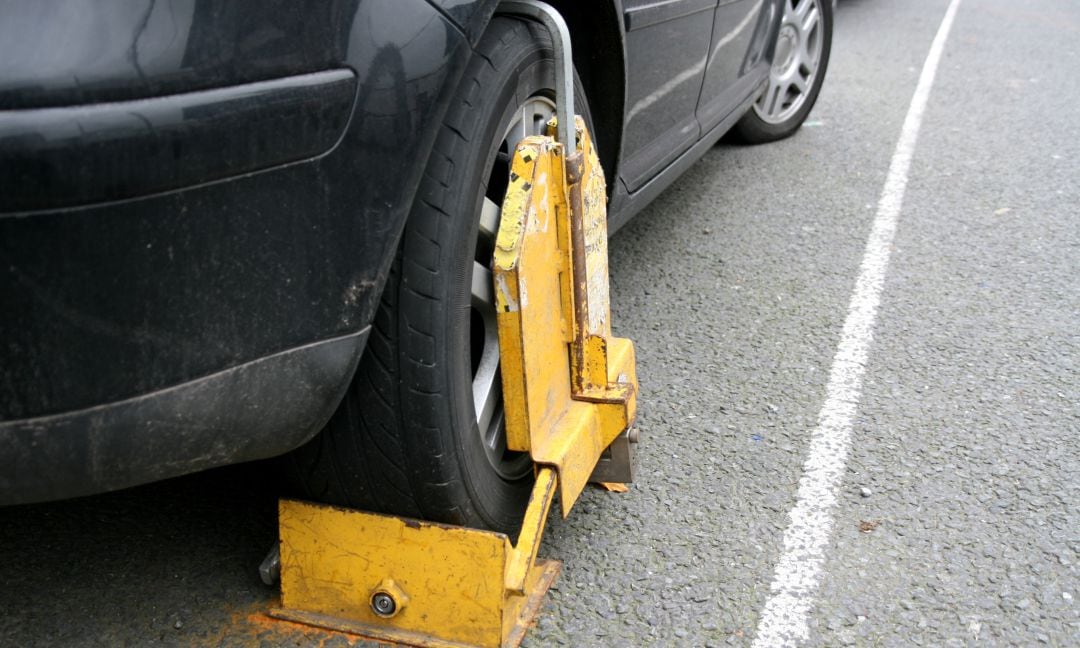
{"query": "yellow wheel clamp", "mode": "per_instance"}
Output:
(569, 390)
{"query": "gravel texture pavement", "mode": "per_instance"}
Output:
(958, 520)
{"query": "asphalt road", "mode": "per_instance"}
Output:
(957, 521)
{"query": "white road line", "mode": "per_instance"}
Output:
(784, 619)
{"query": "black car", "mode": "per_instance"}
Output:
(236, 229)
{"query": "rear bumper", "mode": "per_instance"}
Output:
(256, 410)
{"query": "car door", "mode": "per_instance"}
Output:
(667, 46)
(735, 67)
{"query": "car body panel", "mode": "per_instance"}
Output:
(741, 36)
(664, 82)
(108, 151)
(718, 107)
(71, 52)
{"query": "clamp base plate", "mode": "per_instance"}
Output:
(449, 581)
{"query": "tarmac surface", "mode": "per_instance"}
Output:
(957, 522)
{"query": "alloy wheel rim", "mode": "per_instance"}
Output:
(795, 66)
(529, 119)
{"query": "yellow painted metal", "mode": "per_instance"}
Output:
(569, 387)
(451, 586)
(523, 556)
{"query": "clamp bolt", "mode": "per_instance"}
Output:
(388, 599)
(383, 604)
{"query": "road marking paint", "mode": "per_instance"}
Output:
(795, 581)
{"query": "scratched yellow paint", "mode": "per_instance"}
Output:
(569, 387)
(449, 582)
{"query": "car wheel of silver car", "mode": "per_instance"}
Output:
(800, 60)
(420, 430)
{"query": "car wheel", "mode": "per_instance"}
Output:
(420, 431)
(799, 63)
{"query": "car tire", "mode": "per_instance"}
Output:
(796, 76)
(406, 439)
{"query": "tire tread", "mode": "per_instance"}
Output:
(386, 448)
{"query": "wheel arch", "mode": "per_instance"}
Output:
(598, 43)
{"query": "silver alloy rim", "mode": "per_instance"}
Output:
(795, 66)
(529, 119)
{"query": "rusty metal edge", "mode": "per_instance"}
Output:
(394, 637)
(530, 609)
